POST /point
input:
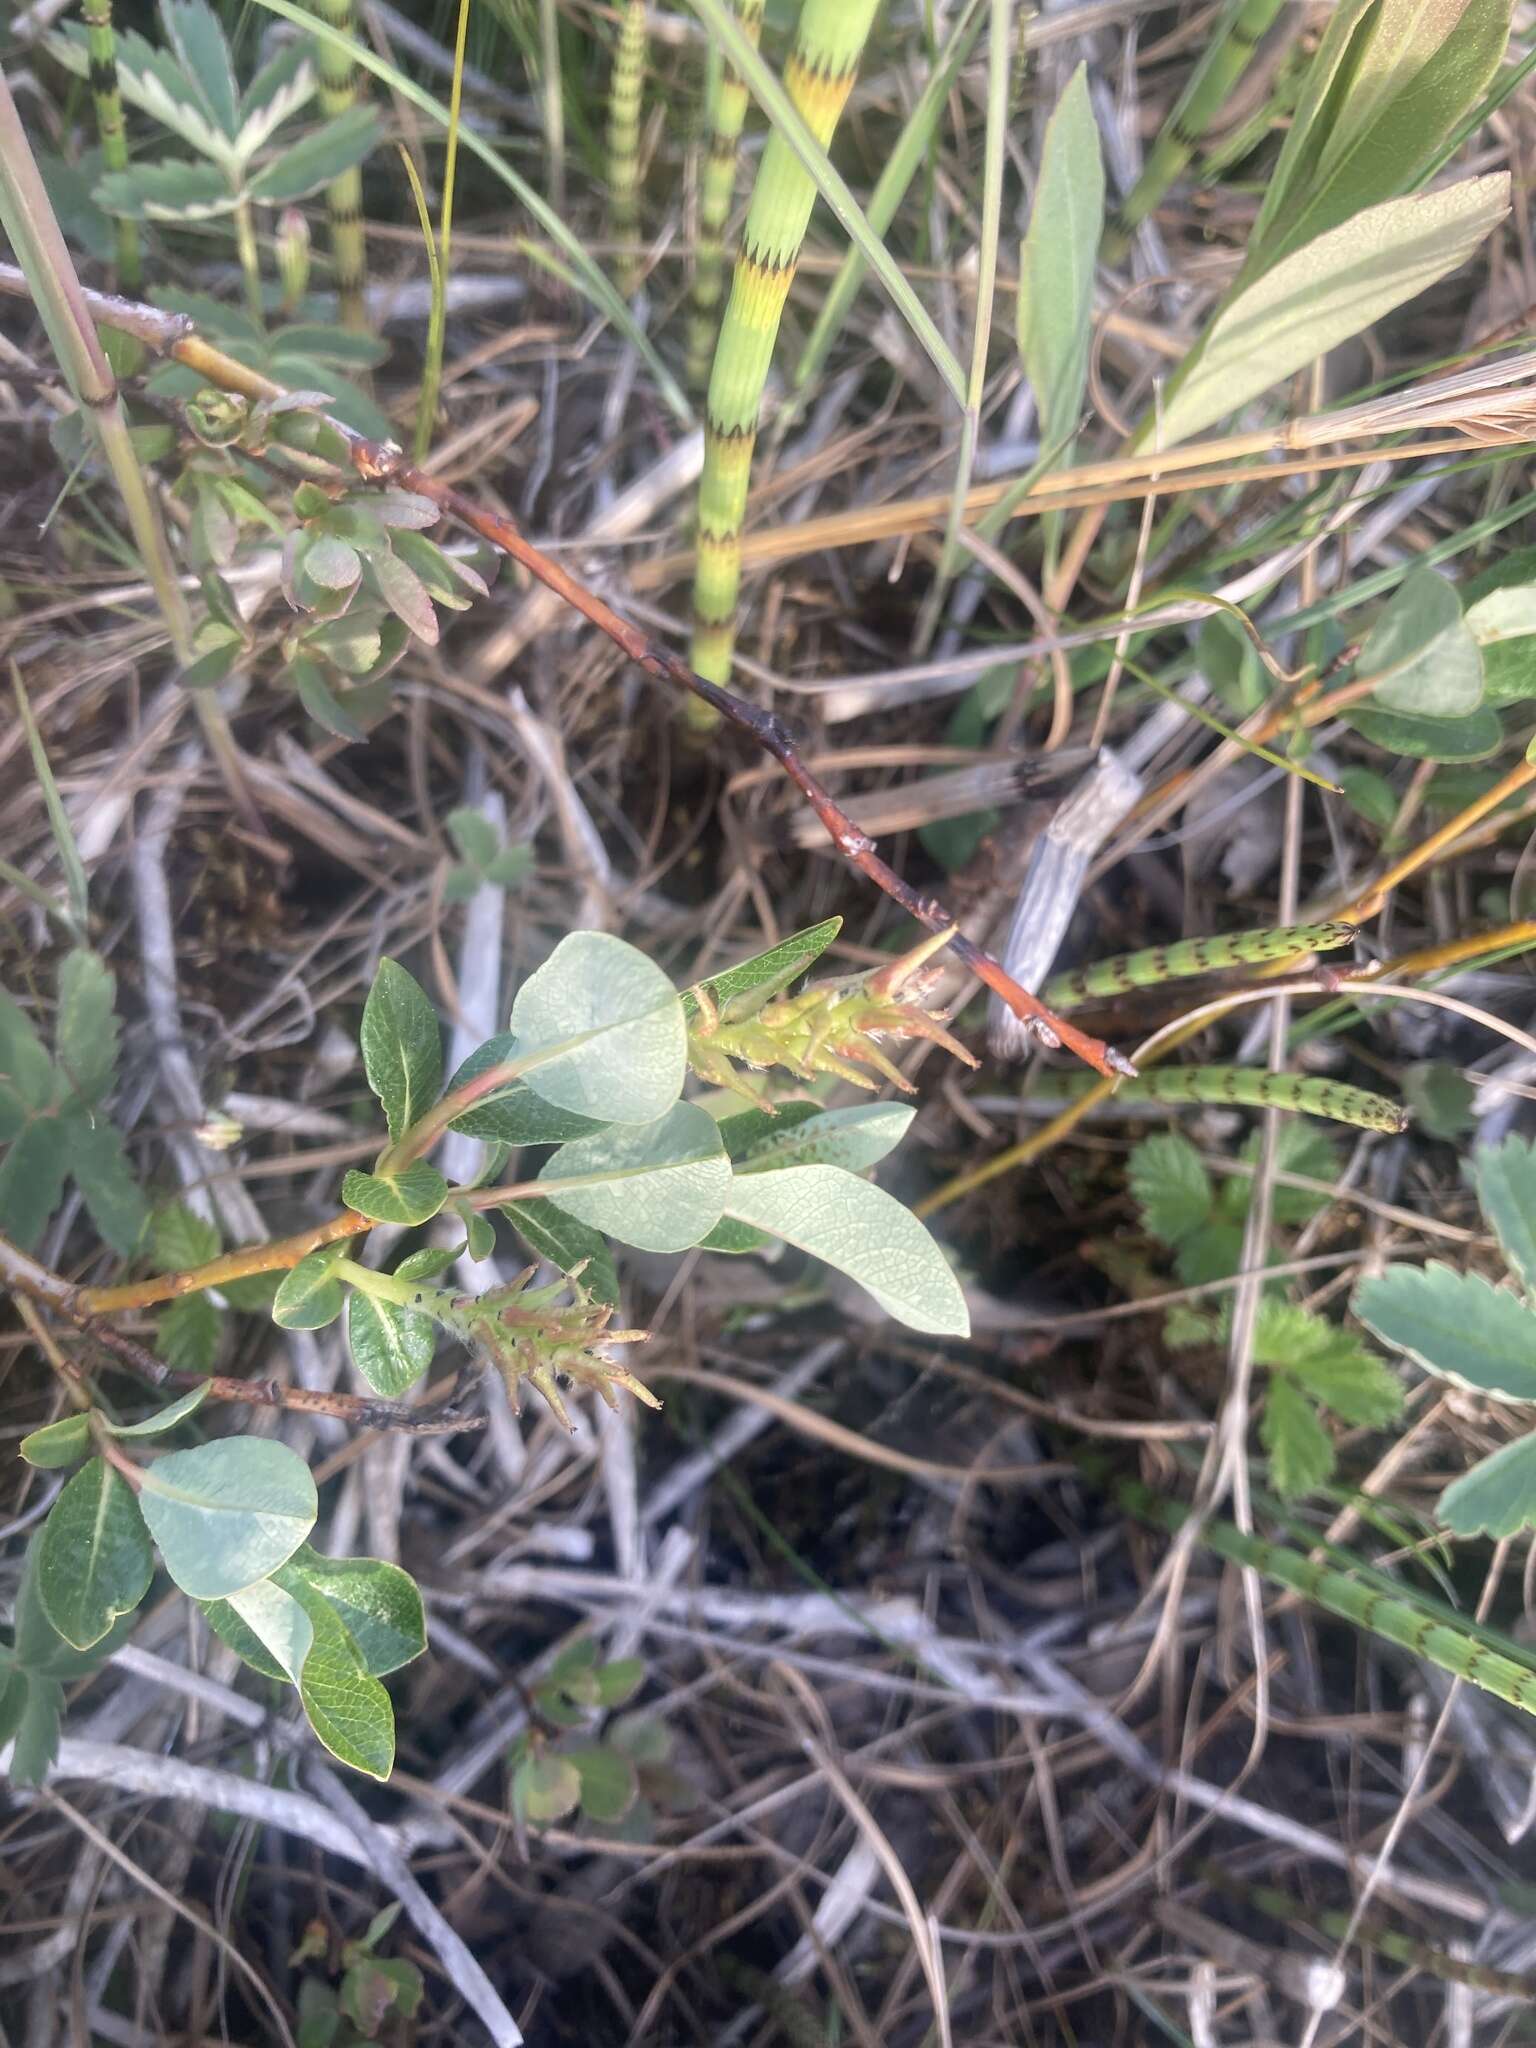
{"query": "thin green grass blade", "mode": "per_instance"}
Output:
(75, 884)
(437, 325)
(820, 72)
(1157, 964)
(789, 123)
(590, 280)
(344, 195)
(437, 316)
(1222, 63)
(726, 112)
(1257, 1088)
(624, 141)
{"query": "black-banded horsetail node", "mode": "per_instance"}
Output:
(818, 77)
(1155, 964)
(111, 127)
(725, 116)
(1225, 58)
(344, 195)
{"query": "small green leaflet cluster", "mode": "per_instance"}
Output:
(1481, 1337)
(1311, 1364)
(52, 1120)
(373, 1989)
(594, 1066)
(188, 85)
(230, 1520)
(482, 856)
(623, 1779)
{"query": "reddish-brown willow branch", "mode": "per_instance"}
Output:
(381, 462)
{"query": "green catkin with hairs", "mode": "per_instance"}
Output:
(1396, 1620)
(344, 195)
(624, 141)
(1226, 57)
(111, 127)
(1257, 1088)
(818, 77)
(726, 115)
(1190, 956)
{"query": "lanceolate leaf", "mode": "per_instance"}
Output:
(1056, 263)
(854, 1138)
(1496, 1498)
(94, 1560)
(608, 1028)
(1454, 1324)
(768, 971)
(64, 1442)
(413, 1194)
(1505, 1179)
(514, 1115)
(164, 1418)
(551, 1234)
(660, 1186)
(863, 1232)
(166, 191)
(391, 1347)
(1326, 292)
(309, 1298)
(198, 40)
(402, 1047)
(228, 1513)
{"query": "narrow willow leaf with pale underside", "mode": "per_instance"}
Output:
(769, 971)
(1326, 292)
(659, 1186)
(1191, 956)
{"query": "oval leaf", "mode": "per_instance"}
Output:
(1428, 662)
(414, 1194)
(863, 1232)
(402, 1046)
(855, 1138)
(165, 1418)
(391, 1347)
(64, 1442)
(514, 1115)
(378, 1603)
(607, 1028)
(660, 1186)
(94, 1560)
(309, 1298)
(609, 1785)
(348, 1709)
(546, 1788)
(1456, 1325)
(227, 1514)
(278, 1623)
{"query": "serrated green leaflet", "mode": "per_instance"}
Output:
(187, 1334)
(1505, 1179)
(94, 1560)
(179, 1239)
(402, 1047)
(407, 1194)
(514, 1115)
(1170, 1186)
(769, 971)
(164, 1418)
(94, 1151)
(1329, 1362)
(378, 1602)
(391, 1347)
(1454, 1324)
(337, 146)
(551, 1234)
(1300, 1449)
(602, 1029)
(59, 1443)
(860, 1230)
(85, 1028)
(309, 1296)
(228, 1513)
(32, 1176)
(660, 1186)
(1497, 1497)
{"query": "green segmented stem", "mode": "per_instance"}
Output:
(624, 140)
(1191, 956)
(111, 127)
(1225, 59)
(344, 195)
(1406, 1619)
(818, 77)
(1257, 1088)
(726, 116)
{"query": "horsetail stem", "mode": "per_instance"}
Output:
(818, 76)
(624, 141)
(111, 127)
(344, 195)
(726, 115)
(1191, 956)
(1223, 62)
(1257, 1088)
(1409, 1622)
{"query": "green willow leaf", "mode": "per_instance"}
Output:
(854, 1138)
(767, 972)
(309, 1297)
(94, 1560)
(863, 1232)
(410, 1194)
(606, 1027)
(402, 1047)
(347, 1708)
(514, 1115)
(57, 1444)
(1428, 661)
(550, 1234)
(164, 1418)
(391, 1347)
(228, 1513)
(278, 1623)
(1472, 738)
(379, 1604)
(660, 1186)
